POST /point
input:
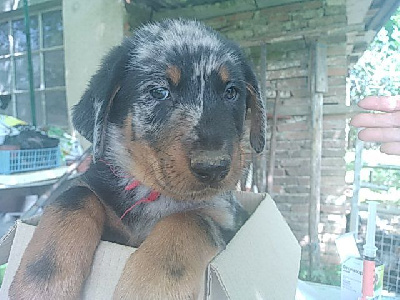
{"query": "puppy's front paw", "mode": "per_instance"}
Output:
(171, 262)
(157, 280)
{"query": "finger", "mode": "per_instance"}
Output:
(376, 120)
(381, 103)
(381, 135)
(391, 148)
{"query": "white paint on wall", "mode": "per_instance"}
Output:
(91, 29)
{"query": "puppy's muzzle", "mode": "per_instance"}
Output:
(210, 166)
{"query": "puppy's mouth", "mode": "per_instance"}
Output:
(198, 192)
(196, 176)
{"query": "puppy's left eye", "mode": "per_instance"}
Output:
(160, 93)
(231, 93)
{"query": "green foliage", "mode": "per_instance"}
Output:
(385, 177)
(2, 271)
(378, 70)
(326, 274)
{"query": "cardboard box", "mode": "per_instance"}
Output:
(261, 262)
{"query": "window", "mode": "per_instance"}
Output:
(46, 29)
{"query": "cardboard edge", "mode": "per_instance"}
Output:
(215, 286)
(6, 243)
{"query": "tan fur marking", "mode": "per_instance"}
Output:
(168, 265)
(74, 236)
(224, 74)
(174, 73)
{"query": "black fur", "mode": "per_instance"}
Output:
(44, 268)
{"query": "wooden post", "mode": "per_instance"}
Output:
(260, 161)
(272, 148)
(318, 85)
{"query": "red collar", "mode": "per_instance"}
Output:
(151, 197)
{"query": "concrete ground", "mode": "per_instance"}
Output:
(315, 291)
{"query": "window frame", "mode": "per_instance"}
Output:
(12, 56)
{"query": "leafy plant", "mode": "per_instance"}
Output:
(326, 274)
(378, 70)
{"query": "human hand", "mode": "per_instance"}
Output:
(381, 127)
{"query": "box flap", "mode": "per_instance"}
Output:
(106, 269)
(23, 235)
(262, 261)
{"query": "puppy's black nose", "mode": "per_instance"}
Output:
(210, 171)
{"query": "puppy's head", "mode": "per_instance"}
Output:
(169, 105)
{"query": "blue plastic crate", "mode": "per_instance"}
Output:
(13, 161)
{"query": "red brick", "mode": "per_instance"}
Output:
(304, 198)
(337, 71)
(240, 16)
(297, 126)
(294, 162)
(333, 209)
(287, 73)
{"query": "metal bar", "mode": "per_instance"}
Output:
(41, 64)
(30, 67)
(356, 187)
(56, 88)
(370, 185)
(36, 51)
(12, 70)
(385, 167)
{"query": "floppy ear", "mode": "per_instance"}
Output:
(258, 112)
(90, 115)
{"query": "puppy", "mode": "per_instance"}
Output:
(165, 114)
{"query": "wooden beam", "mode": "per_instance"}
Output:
(263, 80)
(272, 148)
(321, 69)
(317, 62)
(260, 161)
(386, 10)
(297, 35)
(271, 3)
(207, 11)
(223, 8)
(329, 110)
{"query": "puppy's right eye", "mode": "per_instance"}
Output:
(160, 93)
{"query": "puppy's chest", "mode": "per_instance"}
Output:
(130, 217)
(130, 220)
(140, 218)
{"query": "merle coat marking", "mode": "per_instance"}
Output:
(166, 109)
